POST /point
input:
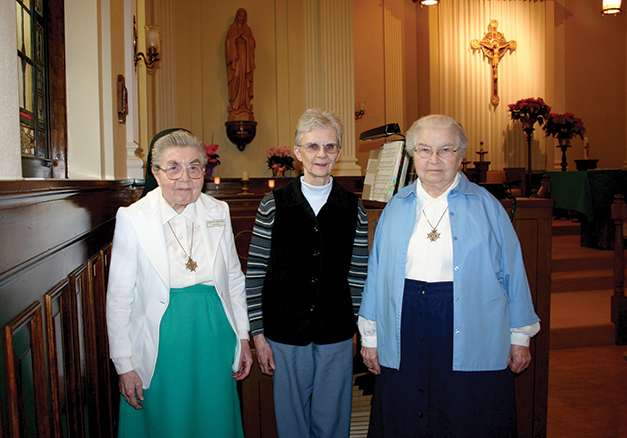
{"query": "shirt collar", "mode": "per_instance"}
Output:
(425, 197)
(168, 213)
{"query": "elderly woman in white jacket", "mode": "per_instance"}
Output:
(176, 306)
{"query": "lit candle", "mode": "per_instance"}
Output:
(216, 180)
(271, 183)
(245, 176)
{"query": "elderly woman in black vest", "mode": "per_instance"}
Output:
(306, 271)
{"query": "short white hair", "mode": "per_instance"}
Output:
(436, 121)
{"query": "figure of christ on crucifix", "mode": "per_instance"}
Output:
(494, 45)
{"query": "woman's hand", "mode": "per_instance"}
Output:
(131, 389)
(245, 362)
(265, 356)
(519, 358)
(371, 360)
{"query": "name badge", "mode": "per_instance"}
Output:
(216, 223)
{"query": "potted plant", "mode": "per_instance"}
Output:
(213, 159)
(529, 111)
(279, 160)
(564, 127)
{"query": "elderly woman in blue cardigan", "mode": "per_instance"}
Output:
(447, 314)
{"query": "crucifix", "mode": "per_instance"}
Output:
(494, 45)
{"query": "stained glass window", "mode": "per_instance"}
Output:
(32, 77)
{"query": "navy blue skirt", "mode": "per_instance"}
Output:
(425, 397)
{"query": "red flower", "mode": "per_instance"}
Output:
(279, 159)
(212, 157)
(529, 111)
(564, 126)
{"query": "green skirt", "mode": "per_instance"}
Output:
(192, 392)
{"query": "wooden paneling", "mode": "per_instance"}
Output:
(58, 316)
(26, 374)
(55, 379)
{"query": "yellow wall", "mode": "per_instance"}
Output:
(594, 52)
(595, 70)
(201, 82)
(369, 69)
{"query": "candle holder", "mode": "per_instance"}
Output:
(245, 189)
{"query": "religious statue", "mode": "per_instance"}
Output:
(494, 45)
(240, 64)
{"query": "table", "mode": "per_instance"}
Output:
(590, 193)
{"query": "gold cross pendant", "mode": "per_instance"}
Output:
(433, 235)
(191, 264)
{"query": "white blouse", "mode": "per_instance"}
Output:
(182, 225)
(428, 260)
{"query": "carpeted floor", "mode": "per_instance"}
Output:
(587, 393)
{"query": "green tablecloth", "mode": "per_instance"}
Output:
(586, 191)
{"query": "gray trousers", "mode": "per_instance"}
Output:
(313, 389)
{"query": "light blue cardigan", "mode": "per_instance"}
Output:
(491, 291)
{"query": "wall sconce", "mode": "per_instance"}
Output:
(612, 7)
(427, 2)
(360, 110)
(153, 44)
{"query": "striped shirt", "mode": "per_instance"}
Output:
(259, 256)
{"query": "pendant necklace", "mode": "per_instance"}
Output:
(434, 235)
(191, 264)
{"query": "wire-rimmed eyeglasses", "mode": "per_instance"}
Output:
(444, 152)
(175, 171)
(330, 148)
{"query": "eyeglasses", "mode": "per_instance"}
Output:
(445, 152)
(330, 148)
(175, 171)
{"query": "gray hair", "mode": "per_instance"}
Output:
(179, 139)
(436, 121)
(313, 118)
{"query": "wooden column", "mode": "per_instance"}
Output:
(533, 221)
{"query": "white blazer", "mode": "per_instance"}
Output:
(139, 276)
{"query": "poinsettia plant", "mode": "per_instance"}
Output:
(564, 126)
(529, 111)
(213, 159)
(279, 160)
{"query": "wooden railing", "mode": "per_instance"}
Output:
(619, 301)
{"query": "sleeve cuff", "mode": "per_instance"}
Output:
(520, 339)
(522, 335)
(368, 332)
(123, 364)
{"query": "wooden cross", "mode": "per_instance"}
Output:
(494, 45)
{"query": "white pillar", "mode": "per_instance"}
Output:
(134, 164)
(329, 69)
(394, 12)
(9, 102)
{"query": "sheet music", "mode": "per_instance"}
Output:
(387, 171)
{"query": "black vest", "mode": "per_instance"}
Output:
(306, 296)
